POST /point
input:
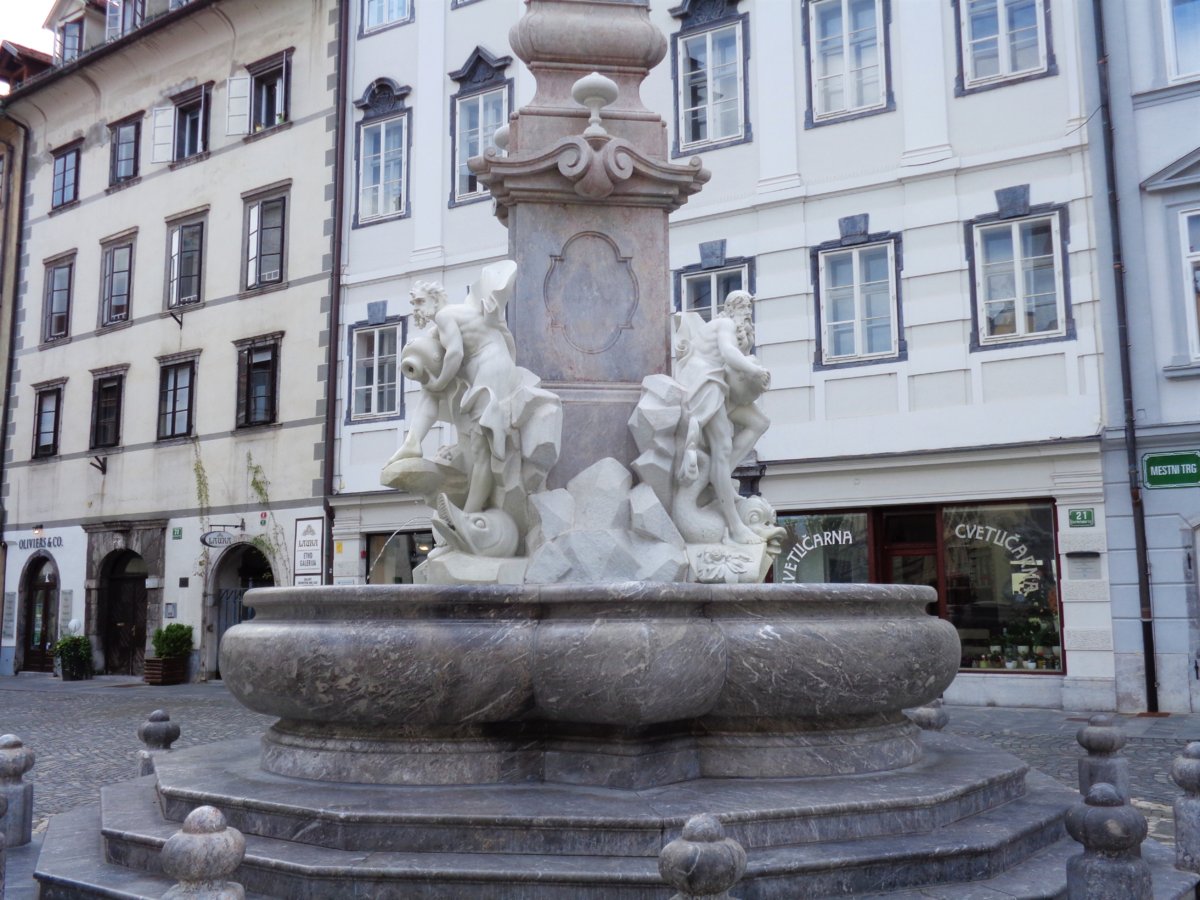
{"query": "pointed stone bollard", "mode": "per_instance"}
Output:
(15, 760)
(930, 717)
(703, 864)
(1111, 865)
(1103, 739)
(158, 733)
(200, 856)
(1185, 772)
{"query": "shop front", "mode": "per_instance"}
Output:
(994, 566)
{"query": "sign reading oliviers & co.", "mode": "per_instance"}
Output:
(1176, 469)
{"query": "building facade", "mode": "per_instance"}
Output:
(167, 406)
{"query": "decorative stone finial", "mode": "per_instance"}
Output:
(703, 863)
(1103, 739)
(158, 732)
(15, 759)
(1185, 772)
(1111, 832)
(594, 91)
(16, 824)
(201, 855)
(930, 717)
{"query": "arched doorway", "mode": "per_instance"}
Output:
(122, 624)
(241, 568)
(40, 589)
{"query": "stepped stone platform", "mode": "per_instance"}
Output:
(966, 821)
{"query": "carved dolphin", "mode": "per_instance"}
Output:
(491, 532)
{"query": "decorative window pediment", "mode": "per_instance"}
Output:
(481, 71)
(383, 97)
(698, 13)
(1184, 172)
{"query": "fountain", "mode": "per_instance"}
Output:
(589, 657)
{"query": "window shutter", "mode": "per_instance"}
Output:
(163, 134)
(237, 95)
(243, 384)
(203, 129)
(173, 292)
(273, 384)
(252, 248)
(112, 20)
(285, 81)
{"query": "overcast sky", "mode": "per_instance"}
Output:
(21, 21)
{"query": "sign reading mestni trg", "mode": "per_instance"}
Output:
(216, 539)
(1175, 469)
(310, 547)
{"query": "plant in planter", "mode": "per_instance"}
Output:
(172, 648)
(74, 652)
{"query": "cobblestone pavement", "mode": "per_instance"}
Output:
(85, 736)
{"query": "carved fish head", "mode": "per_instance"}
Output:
(759, 516)
(491, 532)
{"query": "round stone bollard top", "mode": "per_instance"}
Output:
(1185, 770)
(15, 759)
(158, 732)
(703, 862)
(205, 849)
(1106, 824)
(1101, 736)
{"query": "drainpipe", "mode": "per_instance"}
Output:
(1133, 473)
(335, 287)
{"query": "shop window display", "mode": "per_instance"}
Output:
(824, 548)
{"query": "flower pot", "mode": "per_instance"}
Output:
(172, 670)
(1031, 664)
(1010, 664)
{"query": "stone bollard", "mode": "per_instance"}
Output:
(15, 760)
(1111, 865)
(703, 863)
(1185, 772)
(930, 717)
(158, 733)
(1103, 739)
(200, 856)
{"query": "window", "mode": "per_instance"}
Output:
(381, 13)
(56, 320)
(1019, 279)
(477, 118)
(106, 410)
(1183, 34)
(47, 416)
(186, 249)
(1002, 39)
(259, 100)
(175, 391)
(181, 131)
(123, 17)
(69, 41)
(116, 283)
(846, 64)
(375, 382)
(65, 188)
(1191, 273)
(858, 303)
(711, 77)
(264, 242)
(258, 370)
(703, 291)
(124, 138)
(381, 169)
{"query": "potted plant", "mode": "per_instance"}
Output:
(172, 649)
(74, 653)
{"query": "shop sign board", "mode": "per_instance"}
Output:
(216, 539)
(1082, 518)
(1176, 469)
(310, 547)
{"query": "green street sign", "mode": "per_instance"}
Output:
(1180, 468)
(1082, 518)
(177, 534)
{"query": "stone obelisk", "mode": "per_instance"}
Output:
(585, 188)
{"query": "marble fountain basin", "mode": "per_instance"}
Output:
(579, 682)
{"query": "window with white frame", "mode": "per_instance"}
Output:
(711, 86)
(122, 17)
(704, 292)
(1183, 37)
(185, 262)
(376, 387)
(56, 316)
(1001, 39)
(1190, 221)
(265, 220)
(116, 282)
(176, 383)
(382, 161)
(846, 64)
(68, 40)
(259, 100)
(1019, 279)
(381, 13)
(858, 302)
(477, 117)
(181, 131)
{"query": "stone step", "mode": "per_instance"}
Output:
(956, 779)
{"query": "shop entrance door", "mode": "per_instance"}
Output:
(909, 550)
(41, 617)
(124, 617)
